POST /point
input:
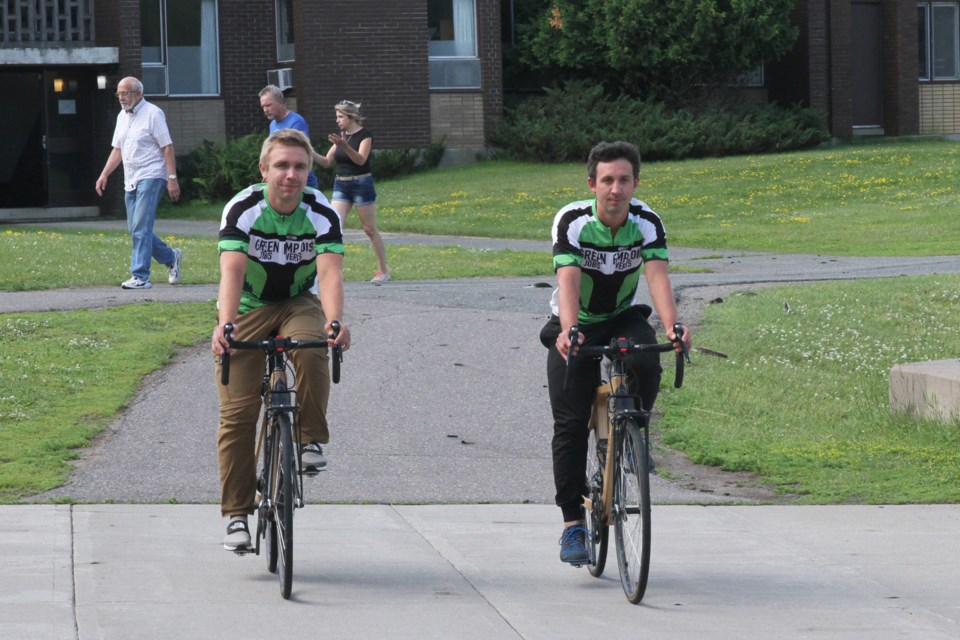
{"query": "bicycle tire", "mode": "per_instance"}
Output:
(265, 518)
(598, 528)
(631, 504)
(283, 510)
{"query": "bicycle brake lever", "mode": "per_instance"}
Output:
(225, 356)
(678, 332)
(574, 339)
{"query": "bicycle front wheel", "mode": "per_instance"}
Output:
(631, 510)
(283, 511)
(597, 525)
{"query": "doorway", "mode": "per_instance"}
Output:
(48, 133)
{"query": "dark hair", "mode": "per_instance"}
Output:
(610, 151)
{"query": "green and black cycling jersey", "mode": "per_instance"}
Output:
(610, 267)
(281, 250)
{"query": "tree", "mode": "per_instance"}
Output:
(661, 49)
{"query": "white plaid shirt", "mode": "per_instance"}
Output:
(141, 134)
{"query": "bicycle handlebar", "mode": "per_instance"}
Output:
(275, 344)
(623, 346)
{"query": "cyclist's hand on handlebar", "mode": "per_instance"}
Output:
(218, 343)
(341, 339)
(682, 341)
(564, 343)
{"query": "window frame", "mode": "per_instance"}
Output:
(164, 56)
(436, 62)
(926, 33)
(280, 31)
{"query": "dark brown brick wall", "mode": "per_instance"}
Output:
(841, 69)
(369, 52)
(900, 88)
(491, 64)
(248, 48)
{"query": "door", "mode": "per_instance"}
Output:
(21, 130)
(867, 65)
(68, 143)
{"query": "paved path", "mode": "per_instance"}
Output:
(442, 408)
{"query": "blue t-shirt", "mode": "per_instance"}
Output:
(294, 120)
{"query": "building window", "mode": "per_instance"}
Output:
(454, 63)
(939, 40)
(285, 31)
(179, 47)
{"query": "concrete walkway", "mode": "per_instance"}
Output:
(484, 572)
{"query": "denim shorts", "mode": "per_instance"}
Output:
(359, 192)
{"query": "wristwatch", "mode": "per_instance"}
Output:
(172, 176)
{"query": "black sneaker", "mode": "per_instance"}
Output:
(238, 534)
(311, 455)
(573, 545)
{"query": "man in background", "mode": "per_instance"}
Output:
(274, 106)
(142, 143)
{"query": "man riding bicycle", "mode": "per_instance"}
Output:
(276, 238)
(599, 247)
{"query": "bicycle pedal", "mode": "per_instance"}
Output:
(242, 551)
(311, 473)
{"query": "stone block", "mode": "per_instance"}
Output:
(927, 389)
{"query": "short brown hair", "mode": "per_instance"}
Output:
(288, 138)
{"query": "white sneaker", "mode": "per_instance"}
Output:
(173, 275)
(380, 277)
(136, 283)
(238, 534)
(312, 458)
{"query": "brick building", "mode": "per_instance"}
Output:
(875, 67)
(425, 70)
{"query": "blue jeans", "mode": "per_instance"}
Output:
(141, 213)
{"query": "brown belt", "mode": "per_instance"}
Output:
(351, 178)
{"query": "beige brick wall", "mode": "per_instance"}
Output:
(939, 108)
(458, 117)
(193, 121)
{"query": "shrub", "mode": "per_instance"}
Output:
(563, 125)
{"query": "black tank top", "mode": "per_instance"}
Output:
(346, 166)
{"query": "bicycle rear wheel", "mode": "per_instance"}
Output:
(631, 506)
(596, 524)
(283, 510)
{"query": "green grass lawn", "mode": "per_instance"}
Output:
(802, 399)
(879, 198)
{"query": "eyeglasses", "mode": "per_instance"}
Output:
(121, 94)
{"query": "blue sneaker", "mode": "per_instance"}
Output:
(573, 545)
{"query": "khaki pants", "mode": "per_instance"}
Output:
(300, 318)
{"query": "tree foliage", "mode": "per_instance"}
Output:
(657, 48)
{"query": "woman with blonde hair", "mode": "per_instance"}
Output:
(353, 187)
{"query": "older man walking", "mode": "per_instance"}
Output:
(142, 143)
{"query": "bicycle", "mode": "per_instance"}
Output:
(618, 485)
(280, 478)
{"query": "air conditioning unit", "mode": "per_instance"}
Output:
(282, 78)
